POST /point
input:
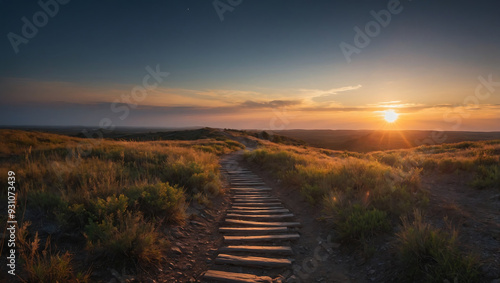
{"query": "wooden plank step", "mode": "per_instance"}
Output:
(261, 216)
(254, 197)
(257, 204)
(246, 183)
(275, 250)
(262, 238)
(238, 200)
(253, 261)
(250, 195)
(253, 230)
(246, 179)
(244, 176)
(224, 276)
(256, 208)
(253, 190)
(262, 211)
(264, 224)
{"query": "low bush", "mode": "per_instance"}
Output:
(487, 177)
(42, 265)
(125, 237)
(159, 200)
(47, 202)
(359, 223)
(432, 255)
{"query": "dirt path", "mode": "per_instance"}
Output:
(198, 245)
(257, 232)
(315, 257)
(475, 213)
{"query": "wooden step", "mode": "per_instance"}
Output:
(224, 276)
(262, 238)
(233, 183)
(251, 192)
(256, 208)
(252, 196)
(247, 195)
(261, 216)
(250, 189)
(264, 224)
(238, 200)
(258, 193)
(246, 178)
(262, 211)
(253, 230)
(257, 204)
(274, 250)
(253, 261)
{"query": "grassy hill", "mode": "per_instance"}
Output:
(367, 140)
(378, 197)
(107, 199)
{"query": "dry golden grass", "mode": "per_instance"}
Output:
(116, 193)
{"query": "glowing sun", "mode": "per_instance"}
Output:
(390, 116)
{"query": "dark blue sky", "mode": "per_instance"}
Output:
(261, 51)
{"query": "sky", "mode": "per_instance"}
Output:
(251, 64)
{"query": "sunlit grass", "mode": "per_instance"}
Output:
(116, 194)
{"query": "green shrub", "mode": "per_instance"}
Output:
(357, 223)
(112, 205)
(487, 177)
(464, 145)
(486, 160)
(432, 255)
(429, 164)
(125, 237)
(160, 200)
(312, 193)
(234, 145)
(48, 202)
(193, 177)
(77, 216)
(390, 159)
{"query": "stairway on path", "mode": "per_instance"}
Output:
(257, 231)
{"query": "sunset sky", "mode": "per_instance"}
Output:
(260, 64)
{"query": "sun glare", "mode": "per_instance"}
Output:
(390, 116)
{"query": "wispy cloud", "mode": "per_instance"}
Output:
(270, 104)
(319, 95)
